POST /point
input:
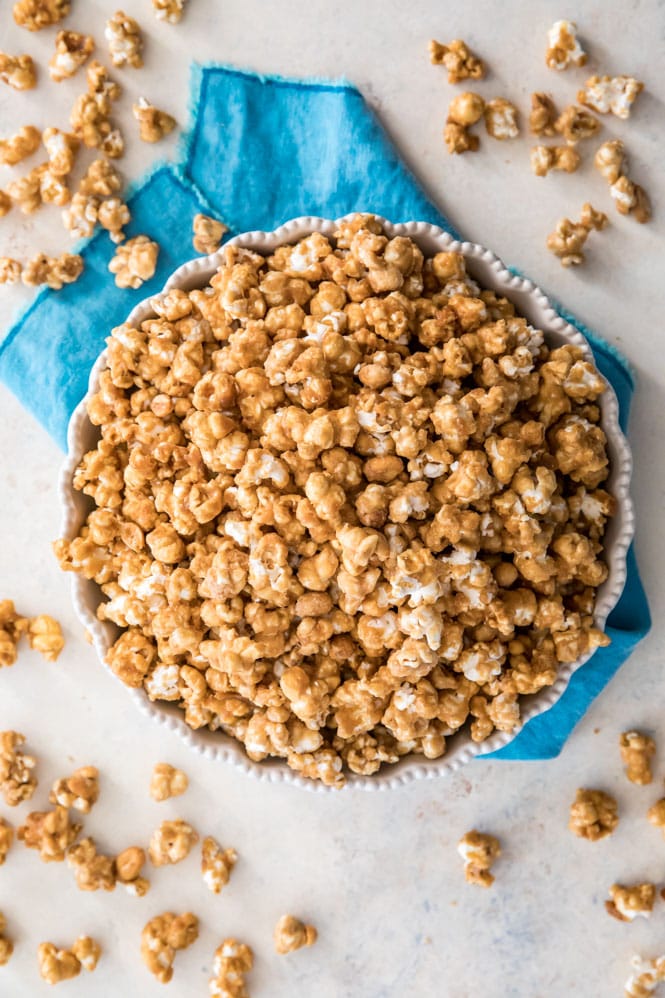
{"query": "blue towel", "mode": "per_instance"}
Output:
(261, 150)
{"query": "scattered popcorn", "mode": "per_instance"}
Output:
(568, 238)
(80, 217)
(232, 960)
(656, 814)
(593, 815)
(162, 937)
(128, 866)
(216, 864)
(26, 192)
(18, 71)
(134, 262)
(168, 10)
(591, 218)
(5, 208)
(171, 842)
(72, 49)
(501, 119)
(90, 115)
(546, 158)
(87, 951)
(458, 59)
(125, 42)
(92, 870)
(99, 82)
(576, 124)
(637, 751)
(646, 976)
(53, 189)
(37, 14)
(543, 115)
(44, 632)
(631, 199)
(6, 839)
(12, 625)
(615, 94)
(112, 215)
(153, 123)
(627, 903)
(167, 781)
(458, 139)
(17, 780)
(609, 160)
(291, 934)
(61, 148)
(466, 108)
(56, 965)
(51, 832)
(478, 852)
(563, 47)
(208, 234)
(101, 179)
(80, 790)
(6, 945)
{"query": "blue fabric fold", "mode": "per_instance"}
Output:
(261, 150)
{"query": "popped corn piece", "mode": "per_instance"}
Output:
(563, 47)
(12, 625)
(546, 158)
(208, 234)
(51, 832)
(615, 94)
(646, 976)
(162, 937)
(125, 42)
(80, 216)
(10, 273)
(291, 934)
(637, 750)
(5, 208)
(458, 59)
(171, 842)
(232, 960)
(592, 219)
(609, 160)
(167, 781)
(93, 871)
(101, 179)
(501, 119)
(478, 852)
(458, 139)
(18, 71)
(134, 262)
(99, 82)
(72, 49)
(112, 215)
(169, 10)
(128, 866)
(153, 123)
(53, 189)
(61, 148)
(80, 790)
(216, 864)
(576, 124)
(628, 903)
(543, 115)
(44, 632)
(6, 945)
(6, 839)
(631, 199)
(87, 951)
(26, 192)
(20, 145)
(568, 237)
(37, 14)
(593, 814)
(17, 780)
(656, 814)
(57, 965)
(466, 108)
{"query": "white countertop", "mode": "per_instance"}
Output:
(378, 874)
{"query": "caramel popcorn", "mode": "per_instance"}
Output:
(646, 976)
(53, 271)
(61, 148)
(458, 139)
(99, 82)
(208, 234)
(543, 115)
(346, 503)
(168, 10)
(18, 71)
(628, 903)
(153, 123)
(171, 842)
(128, 866)
(17, 780)
(609, 160)
(162, 937)
(232, 960)
(37, 14)
(216, 864)
(637, 751)
(610, 94)
(26, 192)
(51, 832)
(125, 42)
(6, 839)
(90, 117)
(501, 119)
(45, 633)
(458, 59)
(167, 781)
(80, 790)
(5, 208)
(134, 262)
(56, 965)
(112, 214)
(546, 158)
(631, 199)
(291, 934)
(593, 814)
(478, 852)
(72, 49)
(93, 871)
(576, 124)
(101, 179)
(6, 945)
(12, 625)
(563, 47)
(466, 108)
(656, 814)
(568, 238)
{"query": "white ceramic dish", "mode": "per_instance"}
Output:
(530, 302)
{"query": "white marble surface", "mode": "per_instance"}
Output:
(377, 873)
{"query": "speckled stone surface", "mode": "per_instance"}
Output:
(378, 874)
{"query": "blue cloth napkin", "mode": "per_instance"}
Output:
(261, 150)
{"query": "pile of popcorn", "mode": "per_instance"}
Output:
(346, 503)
